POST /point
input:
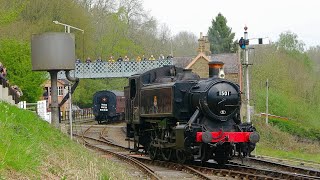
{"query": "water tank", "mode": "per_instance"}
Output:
(53, 51)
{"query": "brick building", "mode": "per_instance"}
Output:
(199, 64)
(62, 91)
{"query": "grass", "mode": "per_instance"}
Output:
(293, 90)
(277, 143)
(31, 149)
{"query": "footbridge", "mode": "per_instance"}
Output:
(113, 69)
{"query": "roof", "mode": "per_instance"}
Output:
(230, 60)
(118, 93)
(64, 81)
(196, 58)
(181, 61)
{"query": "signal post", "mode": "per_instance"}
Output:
(243, 42)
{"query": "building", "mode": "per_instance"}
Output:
(204, 45)
(62, 91)
(199, 64)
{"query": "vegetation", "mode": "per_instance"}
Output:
(221, 36)
(314, 54)
(87, 87)
(29, 148)
(15, 55)
(112, 27)
(276, 143)
(294, 86)
(32, 149)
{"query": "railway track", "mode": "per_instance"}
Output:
(308, 172)
(80, 122)
(212, 171)
(277, 174)
(292, 161)
(150, 173)
(124, 154)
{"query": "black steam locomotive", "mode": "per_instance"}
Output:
(108, 106)
(174, 115)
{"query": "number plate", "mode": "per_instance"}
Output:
(224, 93)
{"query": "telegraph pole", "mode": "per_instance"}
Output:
(267, 101)
(246, 54)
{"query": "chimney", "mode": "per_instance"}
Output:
(216, 69)
(201, 36)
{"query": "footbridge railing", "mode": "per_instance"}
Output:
(113, 69)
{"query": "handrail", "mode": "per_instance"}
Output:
(113, 69)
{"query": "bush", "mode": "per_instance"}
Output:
(297, 129)
(16, 57)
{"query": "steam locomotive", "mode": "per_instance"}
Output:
(174, 115)
(108, 106)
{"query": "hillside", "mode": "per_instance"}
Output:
(275, 142)
(294, 89)
(31, 149)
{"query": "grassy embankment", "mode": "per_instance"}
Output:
(294, 92)
(31, 149)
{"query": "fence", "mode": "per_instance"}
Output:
(77, 114)
(113, 69)
(40, 108)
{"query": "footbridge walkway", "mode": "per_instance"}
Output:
(113, 69)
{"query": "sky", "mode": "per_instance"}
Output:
(264, 18)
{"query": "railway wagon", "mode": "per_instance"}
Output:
(108, 106)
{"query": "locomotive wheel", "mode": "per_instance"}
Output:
(221, 161)
(153, 152)
(204, 153)
(181, 156)
(221, 158)
(166, 153)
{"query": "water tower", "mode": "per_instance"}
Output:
(53, 52)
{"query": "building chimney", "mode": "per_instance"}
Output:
(216, 69)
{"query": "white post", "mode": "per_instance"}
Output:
(267, 101)
(247, 77)
(171, 47)
(70, 111)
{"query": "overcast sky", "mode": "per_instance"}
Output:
(264, 18)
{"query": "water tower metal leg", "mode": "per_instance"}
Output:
(54, 99)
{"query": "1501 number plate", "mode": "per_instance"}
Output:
(224, 93)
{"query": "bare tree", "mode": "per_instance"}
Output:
(185, 44)
(133, 9)
(314, 54)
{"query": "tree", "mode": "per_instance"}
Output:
(16, 57)
(314, 55)
(10, 10)
(133, 10)
(290, 42)
(221, 36)
(185, 44)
